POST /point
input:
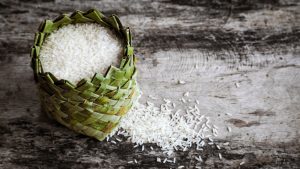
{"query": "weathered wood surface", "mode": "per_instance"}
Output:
(248, 58)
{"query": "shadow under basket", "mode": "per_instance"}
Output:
(93, 107)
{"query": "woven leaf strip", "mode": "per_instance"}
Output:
(95, 106)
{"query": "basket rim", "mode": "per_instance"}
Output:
(90, 16)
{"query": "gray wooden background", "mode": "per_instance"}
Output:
(236, 56)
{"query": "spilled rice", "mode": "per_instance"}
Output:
(170, 128)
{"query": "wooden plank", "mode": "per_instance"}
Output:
(240, 58)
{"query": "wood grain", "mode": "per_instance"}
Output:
(239, 57)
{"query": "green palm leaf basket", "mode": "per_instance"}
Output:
(95, 106)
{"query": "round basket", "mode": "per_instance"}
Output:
(95, 106)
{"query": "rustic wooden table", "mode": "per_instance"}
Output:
(238, 57)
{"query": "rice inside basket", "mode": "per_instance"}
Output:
(78, 51)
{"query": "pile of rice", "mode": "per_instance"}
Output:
(78, 51)
(169, 127)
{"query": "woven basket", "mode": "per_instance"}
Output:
(95, 106)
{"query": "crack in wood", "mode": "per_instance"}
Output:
(241, 123)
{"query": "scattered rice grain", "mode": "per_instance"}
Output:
(181, 82)
(220, 156)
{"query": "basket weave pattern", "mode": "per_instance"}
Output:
(94, 106)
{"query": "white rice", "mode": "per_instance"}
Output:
(169, 128)
(74, 52)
